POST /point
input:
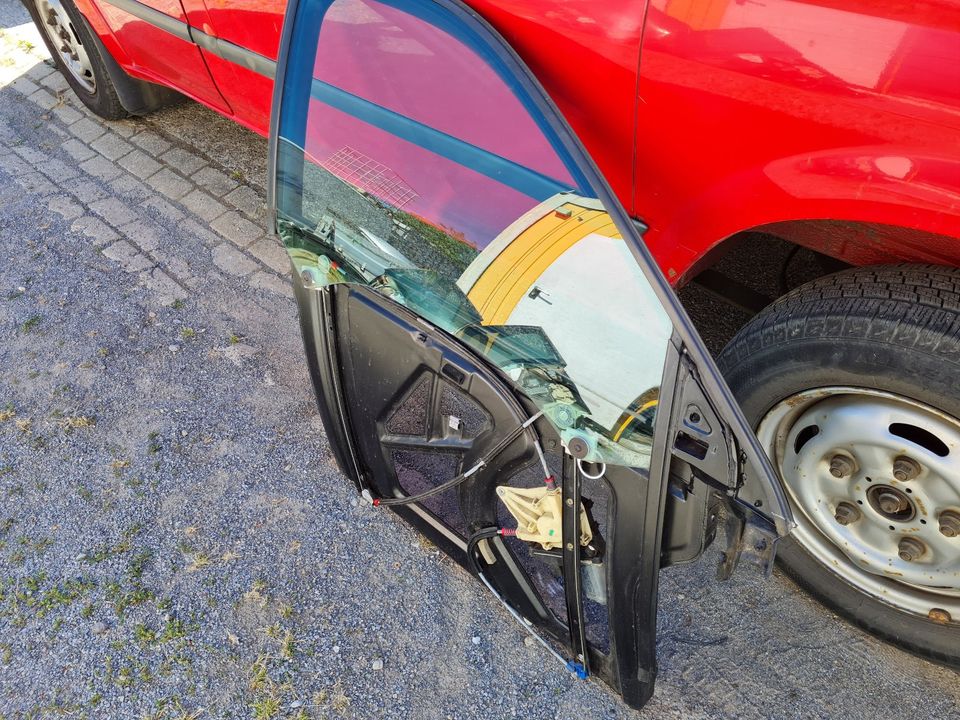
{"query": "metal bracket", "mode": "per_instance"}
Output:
(573, 517)
(752, 537)
(698, 435)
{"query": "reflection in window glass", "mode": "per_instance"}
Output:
(409, 164)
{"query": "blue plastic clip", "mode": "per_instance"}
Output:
(577, 669)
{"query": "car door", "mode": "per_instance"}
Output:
(156, 36)
(495, 355)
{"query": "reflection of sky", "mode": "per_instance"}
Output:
(412, 68)
(826, 37)
(449, 194)
(604, 320)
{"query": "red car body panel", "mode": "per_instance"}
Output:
(832, 123)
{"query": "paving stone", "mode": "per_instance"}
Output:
(61, 173)
(170, 184)
(272, 283)
(130, 188)
(130, 259)
(56, 82)
(66, 114)
(124, 128)
(246, 200)
(158, 207)
(145, 234)
(95, 229)
(113, 211)
(87, 130)
(202, 205)
(100, 168)
(24, 86)
(111, 146)
(86, 192)
(43, 98)
(36, 183)
(63, 205)
(213, 181)
(139, 163)
(175, 265)
(59, 132)
(271, 253)
(78, 150)
(183, 161)
(39, 71)
(31, 154)
(201, 232)
(230, 260)
(168, 290)
(150, 142)
(236, 229)
(14, 166)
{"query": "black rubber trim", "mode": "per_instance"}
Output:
(233, 53)
(221, 48)
(154, 17)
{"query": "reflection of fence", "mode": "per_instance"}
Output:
(370, 176)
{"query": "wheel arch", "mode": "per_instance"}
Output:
(859, 205)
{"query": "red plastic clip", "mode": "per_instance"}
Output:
(508, 532)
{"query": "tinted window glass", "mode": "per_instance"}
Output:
(410, 162)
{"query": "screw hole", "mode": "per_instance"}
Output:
(869, 479)
(910, 491)
(859, 502)
(923, 522)
(892, 527)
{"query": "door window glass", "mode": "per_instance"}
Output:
(411, 162)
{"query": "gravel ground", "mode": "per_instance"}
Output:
(174, 535)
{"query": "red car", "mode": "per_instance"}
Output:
(828, 125)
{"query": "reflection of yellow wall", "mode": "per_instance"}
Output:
(698, 14)
(512, 273)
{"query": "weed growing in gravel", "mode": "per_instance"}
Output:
(8, 412)
(69, 423)
(265, 708)
(200, 560)
(188, 333)
(30, 324)
(118, 466)
(144, 634)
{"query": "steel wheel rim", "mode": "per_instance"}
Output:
(58, 26)
(848, 551)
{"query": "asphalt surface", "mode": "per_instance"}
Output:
(175, 539)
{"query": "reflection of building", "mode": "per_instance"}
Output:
(370, 176)
(563, 267)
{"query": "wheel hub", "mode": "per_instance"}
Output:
(875, 483)
(59, 29)
(891, 503)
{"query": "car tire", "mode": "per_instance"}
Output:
(890, 333)
(78, 55)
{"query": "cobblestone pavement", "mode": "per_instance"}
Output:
(174, 536)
